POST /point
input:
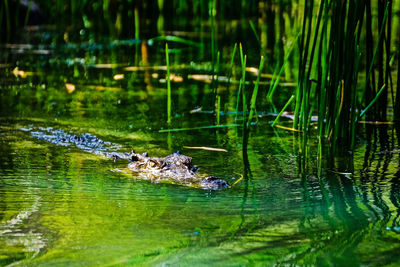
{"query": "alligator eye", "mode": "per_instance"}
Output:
(115, 157)
(145, 154)
(194, 168)
(133, 151)
(177, 152)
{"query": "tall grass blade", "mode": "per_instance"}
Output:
(8, 20)
(218, 109)
(283, 109)
(275, 81)
(2, 7)
(377, 45)
(137, 25)
(397, 103)
(373, 100)
(169, 102)
(243, 59)
(244, 98)
(255, 90)
(214, 77)
(231, 65)
(253, 28)
(212, 11)
(238, 100)
(28, 13)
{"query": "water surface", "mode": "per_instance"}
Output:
(60, 205)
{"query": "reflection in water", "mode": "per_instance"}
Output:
(18, 238)
(14, 233)
(57, 199)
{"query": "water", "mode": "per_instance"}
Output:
(64, 206)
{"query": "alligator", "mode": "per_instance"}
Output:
(176, 167)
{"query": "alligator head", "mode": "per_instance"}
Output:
(175, 167)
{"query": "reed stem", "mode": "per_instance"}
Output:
(255, 90)
(169, 102)
(283, 109)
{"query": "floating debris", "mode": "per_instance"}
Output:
(287, 128)
(18, 72)
(70, 87)
(376, 122)
(206, 148)
(118, 77)
(105, 66)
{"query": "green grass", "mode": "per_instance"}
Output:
(283, 109)
(275, 80)
(243, 59)
(330, 58)
(373, 101)
(169, 101)
(332, 42)
(255, 91)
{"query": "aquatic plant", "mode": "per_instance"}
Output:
(169, 100)
(330, 58)
(336, 41)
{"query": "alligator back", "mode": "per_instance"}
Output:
(175, 168)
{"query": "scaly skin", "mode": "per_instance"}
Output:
(176, 168)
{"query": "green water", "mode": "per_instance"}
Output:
(60, 206)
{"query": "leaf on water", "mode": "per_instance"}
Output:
(255, 71)
(287, 128)
(172, 77)
(271, 76)
(252, 70)
(136, 68)
(176, 78)
(105, 66)
(118, 77)
(196, 110)
(290, 115)
(41, 51)
(70, 87)
(19, 46)
(376, 122)
(102, 88)
(241, 178)
(206, 148)
(201, 77)
(164, 68)
(20, 73)
(208, 78)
